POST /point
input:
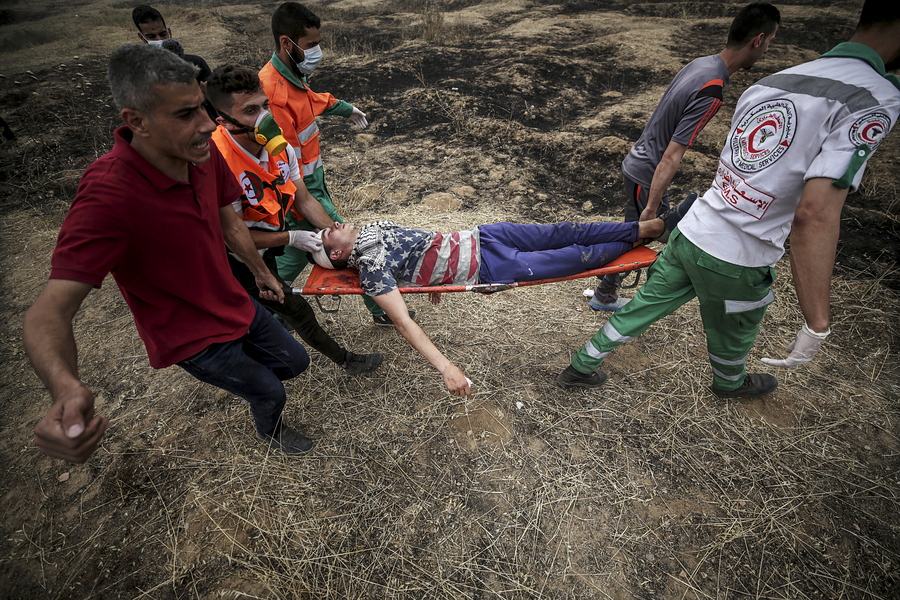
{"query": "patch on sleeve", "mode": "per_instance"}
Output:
(252, 187)
(870, 130)
(285, 170)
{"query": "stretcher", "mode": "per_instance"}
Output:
(341, 282)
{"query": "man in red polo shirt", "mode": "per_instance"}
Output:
(155, 212)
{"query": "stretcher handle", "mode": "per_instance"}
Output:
(335, 299)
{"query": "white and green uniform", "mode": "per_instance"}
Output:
(819, 119)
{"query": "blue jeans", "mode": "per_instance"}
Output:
(521, 252)
(253, 367)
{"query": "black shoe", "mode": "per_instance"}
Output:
(289, 441)
(570, 378)
(361, 363)
(672, 216)
(385, 321)
(754, 386)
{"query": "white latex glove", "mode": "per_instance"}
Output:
(305, 240)
(358, 118)
(802, 350)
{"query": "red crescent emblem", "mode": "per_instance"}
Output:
(868, 136)
(770, 122)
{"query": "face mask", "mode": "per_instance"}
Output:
(268, 133)
(311, 59)
(157, 43)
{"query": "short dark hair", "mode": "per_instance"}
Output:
(293, 19)
(174, 46)
(878, 12)
(756, 18)
(338, 264)
(227, 80)
(146, 14)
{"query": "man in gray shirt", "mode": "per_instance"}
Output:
(691, 100)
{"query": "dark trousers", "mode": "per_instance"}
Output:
(253, 367)
(637, 201)
(522, 252)
(296, 311)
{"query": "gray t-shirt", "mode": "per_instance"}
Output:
(692, 99)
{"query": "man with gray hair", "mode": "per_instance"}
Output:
(156, 213)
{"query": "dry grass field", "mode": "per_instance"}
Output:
(480, 111)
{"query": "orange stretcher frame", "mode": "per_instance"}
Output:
(323, 282)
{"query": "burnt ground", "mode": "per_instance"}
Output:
(514, 110)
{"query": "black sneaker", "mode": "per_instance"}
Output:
(672, 216)
(570, 378)
(361, 363)
(754, 386)
(289, 441)
(385, 321)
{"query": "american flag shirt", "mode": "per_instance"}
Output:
(423, 258)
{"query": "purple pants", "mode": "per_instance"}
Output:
(517, 252)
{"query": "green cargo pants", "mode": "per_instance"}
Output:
(733, 301)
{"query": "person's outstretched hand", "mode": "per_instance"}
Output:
(358, 118)
(802, 350)
(457, 382)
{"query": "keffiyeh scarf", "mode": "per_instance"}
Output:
(368, 251)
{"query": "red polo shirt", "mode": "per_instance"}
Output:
(162, 241)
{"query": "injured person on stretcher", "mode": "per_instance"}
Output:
(388, 255)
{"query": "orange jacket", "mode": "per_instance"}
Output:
(268, 195)
(295, 108)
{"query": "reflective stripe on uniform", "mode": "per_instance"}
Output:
(855, 98)
(739, 306)
(310, 168)
(615, 336)
(308, 133)
(730, 363)
(727, 377)
(593, 352)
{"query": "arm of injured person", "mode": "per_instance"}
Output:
(395, 307)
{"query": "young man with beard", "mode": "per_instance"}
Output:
(155, 212)
(273, 188)
(295, 106)
(798, 144)
(691, 100)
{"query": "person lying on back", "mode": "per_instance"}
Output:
(386, 254)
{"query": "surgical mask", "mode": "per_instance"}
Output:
(157, 43)
(311, 59)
